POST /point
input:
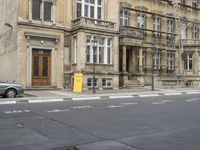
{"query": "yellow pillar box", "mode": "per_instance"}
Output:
(78, 83)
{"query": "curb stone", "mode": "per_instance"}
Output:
(29, 100)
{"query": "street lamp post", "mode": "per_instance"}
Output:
(153, 65)
(94, 46)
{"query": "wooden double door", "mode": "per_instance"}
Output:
(41, 67)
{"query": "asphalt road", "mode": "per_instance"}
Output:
(151, 123)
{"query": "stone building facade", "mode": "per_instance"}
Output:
(52, 40)
(44, 42)
(162, 35)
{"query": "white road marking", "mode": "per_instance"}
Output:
(162, 102)
(149, 95)
(115, 106)
(116, 97)
(85, 98)
(169, 94)
(81, 107)
(192, 92)
(193, 100)
(45, 101)
(16, 111)
(7, 102)
(126, 104)
(57, 110)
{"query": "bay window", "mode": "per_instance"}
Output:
(102, 53)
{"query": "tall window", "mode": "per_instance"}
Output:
(156, 61)
(195, 3)
(74, 53)
(124, 18)
(188, 62)
(47, 11)
(183, 30)
(141, 21)
(170, 26)
(89, 8)
(195, 31)
(36, 9)
(102, 53)
(156, 26)
(143, 58)
(171, 61)
(182, 1)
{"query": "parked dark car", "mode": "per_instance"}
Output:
(10, 90)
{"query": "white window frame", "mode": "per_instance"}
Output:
(124, 18)
(171, 61)
(189, 59)
(141, 21)
(107, 81)
(195, 3)
(156, 60)
(89, 5)
(195, 31)
(183, 30)
(156, 26)
(91, 80)
(170, 26)
(105, 46)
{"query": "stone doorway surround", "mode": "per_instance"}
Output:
(45, 42)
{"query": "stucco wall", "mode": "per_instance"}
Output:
(8, 40)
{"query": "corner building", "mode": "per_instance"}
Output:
(47, 41)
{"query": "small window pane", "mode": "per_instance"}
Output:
(79, 7)
(47, 11)
(36, 9)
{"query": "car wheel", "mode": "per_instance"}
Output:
(10, 93)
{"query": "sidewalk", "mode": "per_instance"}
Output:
(107, 93)
(34, 96)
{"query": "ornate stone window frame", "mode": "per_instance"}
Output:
(53, 11)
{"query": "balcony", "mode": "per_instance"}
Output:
(90, 23)
(129, 32)
(191, 42)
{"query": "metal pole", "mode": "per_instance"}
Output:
(152, 86)
(94, 90)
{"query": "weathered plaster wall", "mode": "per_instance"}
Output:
(8, 40)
